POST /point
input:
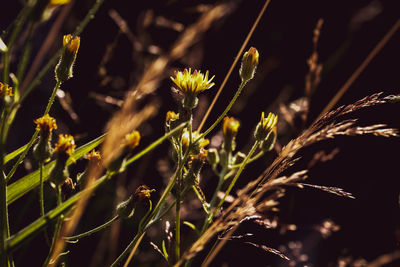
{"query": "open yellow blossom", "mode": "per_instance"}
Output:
(192, 83)
(132, 140)
(45, 125)
(58, 2)
(66, 145)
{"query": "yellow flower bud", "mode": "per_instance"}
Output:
(64, 67)
(265, 126)
(249, 64)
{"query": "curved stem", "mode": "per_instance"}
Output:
(244, 163)
(239, 90)
(94, 230)
(259, 155)
(22, 156)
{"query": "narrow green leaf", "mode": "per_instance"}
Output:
(14, 154)
(164, 250)
(191, 225)
(30, 181)
(15, 240)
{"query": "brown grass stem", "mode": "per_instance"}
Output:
(245, 42)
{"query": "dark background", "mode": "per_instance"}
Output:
(365, 166)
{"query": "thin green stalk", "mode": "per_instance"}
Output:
(4, 228)
(233, 182)
(239, 90)
(153, 218)
(259, 155)
(18, 26)
(94, 230)
(22, 156)
(178, 227)
(41, 198)
(56, 230)
(89, 16)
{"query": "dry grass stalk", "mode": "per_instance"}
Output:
(252, 199)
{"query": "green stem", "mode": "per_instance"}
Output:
(22, 156)
(56, 230)
(153, 217)
(18, 26)
(41, 198)
(4, 227)
(178, 227)
(234, 180)
(259, 155)
(239, 90)
(94, 230)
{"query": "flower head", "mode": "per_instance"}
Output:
(58, 2)
(45, 125)
(171, 116)
(249, 64)
(132, 140)
(66, 145)
(64, 67)
(94, 157)
(5, 90)
(265, 126)
(230, 126)
(198, 146)
(192, 83)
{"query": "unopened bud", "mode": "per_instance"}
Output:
(249, 64)
(64, 67)
(265, 126)
(213, 157)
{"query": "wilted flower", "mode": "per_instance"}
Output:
(66, 145)
(45, 125)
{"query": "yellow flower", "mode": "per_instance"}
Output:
(94, 157)
(192, 83)
(198, 146)
(132, 140)
(265, 126)
(64, 67)
(45, 125)
(5, 90)
(249, 64)
(230, 126)
(66, 145)
(171, 116)
(58, 2)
